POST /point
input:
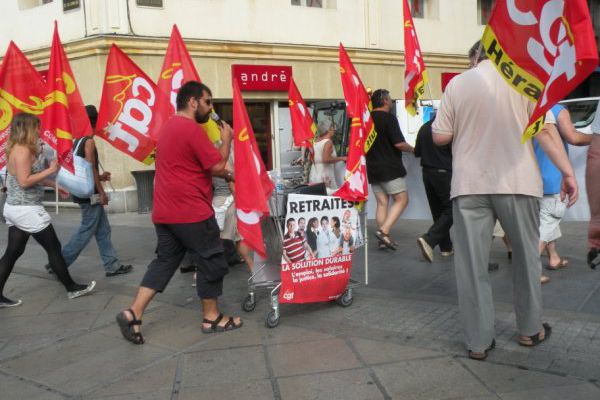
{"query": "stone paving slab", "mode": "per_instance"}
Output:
(159, 378)
(225, 366)
(17, 388)
(81, 363)
(349, 385)
(320, 356)
(260, 389)
(441, 378)
(584, 391)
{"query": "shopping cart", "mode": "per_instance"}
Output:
(266, 273)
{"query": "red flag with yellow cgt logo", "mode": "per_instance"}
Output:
(132, 109)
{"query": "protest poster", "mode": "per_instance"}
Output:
(321, 234)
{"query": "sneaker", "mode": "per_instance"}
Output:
(593, 258)
(425, 249)
(48, 269)
(493, 267)
(446, 253)
(5, 302)
(81, 290)
(123, 269)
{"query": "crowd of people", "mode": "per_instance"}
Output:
(464, 151)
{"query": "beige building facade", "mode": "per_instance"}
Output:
(301, 34)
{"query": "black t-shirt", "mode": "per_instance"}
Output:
(81, 153)
(384, 160)
(432, 156)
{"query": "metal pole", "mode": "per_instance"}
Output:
(56, 195)
(366, 247)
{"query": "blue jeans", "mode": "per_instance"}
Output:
(94, 222)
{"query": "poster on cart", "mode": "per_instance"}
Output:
(320, 235)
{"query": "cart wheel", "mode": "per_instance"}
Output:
(345, 300)
(249, 304)
(272, 321)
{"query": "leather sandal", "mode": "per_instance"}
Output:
(126, 327)
(214, 325)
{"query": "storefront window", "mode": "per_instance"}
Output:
(260, 119)
(484, 10)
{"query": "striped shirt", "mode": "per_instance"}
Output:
(294, 247)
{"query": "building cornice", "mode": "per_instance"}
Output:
(143, 46)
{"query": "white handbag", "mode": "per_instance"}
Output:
(81, 183)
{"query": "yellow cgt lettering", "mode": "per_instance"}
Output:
(243, 136)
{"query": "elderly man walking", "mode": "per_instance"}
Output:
(496, 176)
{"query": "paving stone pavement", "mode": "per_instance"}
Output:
(400, 339)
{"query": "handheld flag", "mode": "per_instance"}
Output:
(355, 94)
(415, 75)
(303, 127)
(542, 48)
(253, 187)
(132, 109)
(21, 90)
(58, 121)
(177, 68)
(355, 186)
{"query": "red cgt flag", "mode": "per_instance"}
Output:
(80, 121)
(21, 90)
(355, 186)
(303, 127)
(253, 187)
(355, 94)
(57, 121)
(415, 75)
(542, 48)
(132, 109)
(177, 68)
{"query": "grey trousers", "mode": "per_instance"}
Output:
(474, 218)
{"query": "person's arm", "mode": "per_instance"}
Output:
(405, 147)
(328, 154)
(90, 156)
(397, 137)
(220, 168)
(552, 145)
(417, 149)
(23, 163)
(442, 128)
(567, 130)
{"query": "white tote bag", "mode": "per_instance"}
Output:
(81, 183)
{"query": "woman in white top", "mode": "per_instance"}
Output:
(325, 157)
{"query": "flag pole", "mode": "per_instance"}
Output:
(366, 247)
(56, 194)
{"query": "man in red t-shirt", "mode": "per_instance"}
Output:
(182, 213)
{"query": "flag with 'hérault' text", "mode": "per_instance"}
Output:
(542, 48)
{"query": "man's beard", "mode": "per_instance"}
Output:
(201, 119)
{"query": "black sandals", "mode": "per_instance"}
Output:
(126, 327)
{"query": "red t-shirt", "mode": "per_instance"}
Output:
(183, 182)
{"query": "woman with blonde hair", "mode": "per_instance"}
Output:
(325, 157)
(24, 213)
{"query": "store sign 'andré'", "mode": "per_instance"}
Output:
(271, 78)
